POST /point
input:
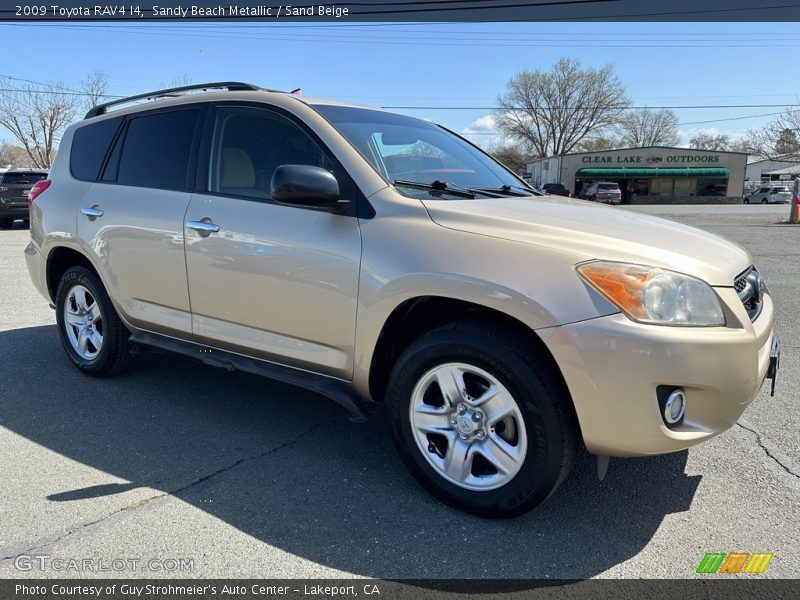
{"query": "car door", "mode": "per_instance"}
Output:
(131, 221)
(269, 280)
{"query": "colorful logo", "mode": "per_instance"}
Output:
(735, 562)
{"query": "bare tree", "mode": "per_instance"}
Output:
(555, 110)
(649, 127)
(95, 87)
(37, 116)
(778, 140)
(707, 141)
(515, 157)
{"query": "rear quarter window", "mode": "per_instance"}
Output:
(89, 147)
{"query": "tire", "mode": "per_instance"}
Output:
(108, 350)
(764, 201)
(540, 429)
(6, 223)
(745, 201)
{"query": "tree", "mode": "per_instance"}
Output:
(708, 141)
(599, 143)
(779, 139)
(787, 142)
(553, 111)
(37, 115)
(95, 86)
(11, 155)
(649, 127)
(515, 157)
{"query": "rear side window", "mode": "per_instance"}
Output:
(89, 146)
(156, 150)
(22, 178)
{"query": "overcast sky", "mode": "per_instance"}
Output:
(430, 65)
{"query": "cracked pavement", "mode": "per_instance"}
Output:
(251, 478)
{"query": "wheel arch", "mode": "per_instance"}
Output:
(417, 316)
(59, 260)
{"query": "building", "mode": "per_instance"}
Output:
(654, 175)
(764, 171)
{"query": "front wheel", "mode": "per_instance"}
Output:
(746, 201)
(764, 201)
(92, 334)
(479, 420)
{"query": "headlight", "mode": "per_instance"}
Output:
(653, 295)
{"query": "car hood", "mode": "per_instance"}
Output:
(591, 230)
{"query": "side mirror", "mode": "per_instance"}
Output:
(304, 185)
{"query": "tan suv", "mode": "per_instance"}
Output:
(382, 259)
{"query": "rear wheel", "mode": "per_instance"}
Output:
(480, 420)
(6, 223)
(764, 201)
(746, 201)
(93, 335)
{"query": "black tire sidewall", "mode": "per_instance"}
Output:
(103, 363)
(542, 469)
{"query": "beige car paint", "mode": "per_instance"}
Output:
(340, 278)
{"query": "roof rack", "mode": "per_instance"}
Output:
(232, 86)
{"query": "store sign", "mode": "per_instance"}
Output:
(681, 159)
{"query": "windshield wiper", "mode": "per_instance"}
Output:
(437, 186)
(505, 190)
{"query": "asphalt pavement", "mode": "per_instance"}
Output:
(180, 469)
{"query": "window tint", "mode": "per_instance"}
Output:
(89, 146)
(22, 178)
(156, 150)
(608, 186)
(248, 144)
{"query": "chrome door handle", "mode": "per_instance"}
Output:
(203, 227)
(92, 212)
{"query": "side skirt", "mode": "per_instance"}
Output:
(330, 388)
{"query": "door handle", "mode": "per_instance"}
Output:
(92, 212)
(204, 228)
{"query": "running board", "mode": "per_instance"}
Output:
(330, 388)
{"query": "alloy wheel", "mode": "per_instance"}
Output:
(468, 426)
(83, 322)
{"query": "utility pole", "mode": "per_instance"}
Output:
(795, 201)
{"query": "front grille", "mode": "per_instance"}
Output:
(750, 288)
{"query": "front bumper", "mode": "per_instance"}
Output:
(613, 366)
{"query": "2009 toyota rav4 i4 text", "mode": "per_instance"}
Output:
(378, 258)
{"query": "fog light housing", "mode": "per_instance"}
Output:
(674, 407)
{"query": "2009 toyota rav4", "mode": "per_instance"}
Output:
(378, 258)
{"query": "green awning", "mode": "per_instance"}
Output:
(653, 172)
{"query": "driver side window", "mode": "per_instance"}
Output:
(249, 144)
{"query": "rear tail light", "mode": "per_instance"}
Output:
(37, 189)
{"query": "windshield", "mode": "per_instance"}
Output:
(403, 148)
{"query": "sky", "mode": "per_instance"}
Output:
(452, 71)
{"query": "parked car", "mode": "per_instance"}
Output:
(14, 187)
(603, 191)
(776, 194)
(498, 328)
(556, 189)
